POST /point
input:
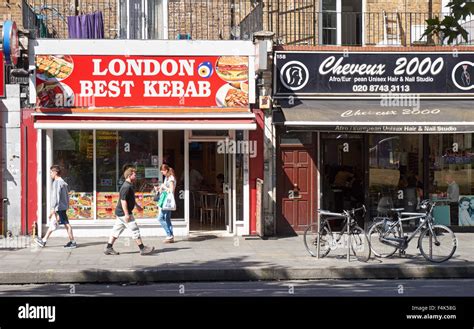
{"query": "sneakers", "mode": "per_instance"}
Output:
(110, 251)
(70, 245)
(40, 242)
(169, 239)
(146, 250)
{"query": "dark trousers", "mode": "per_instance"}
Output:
(454, 213)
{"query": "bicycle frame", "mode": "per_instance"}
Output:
(347, 226)
(348, 216)
(426, 221)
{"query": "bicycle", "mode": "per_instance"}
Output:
(358, 240)
(386, 235)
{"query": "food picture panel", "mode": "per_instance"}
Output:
(149, 206)
(106, 203)
(80, 206)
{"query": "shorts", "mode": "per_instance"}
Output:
(63, 220)
(121, 224)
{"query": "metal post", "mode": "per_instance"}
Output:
(318, 191)
(4, 222)
(318, 247)
(348, 238)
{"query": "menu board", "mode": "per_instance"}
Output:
(80, 205)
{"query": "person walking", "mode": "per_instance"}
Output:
(165, 215)
(59, 204)
(125, 219)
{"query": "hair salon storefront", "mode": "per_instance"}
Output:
(383, 129)
(104, 105)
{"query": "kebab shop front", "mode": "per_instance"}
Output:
(101, 106)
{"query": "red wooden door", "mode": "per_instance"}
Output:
(295, 189)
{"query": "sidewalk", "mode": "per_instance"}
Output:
(212, 258)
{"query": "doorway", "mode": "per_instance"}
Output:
(211, 188)
(296, 185)
(343, 174)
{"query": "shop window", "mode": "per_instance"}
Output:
(140, 150)
(395, 172)
(173, 156)
(117, 150)
(451, 178)
(107, 173)
(73, 152)
(342, 175)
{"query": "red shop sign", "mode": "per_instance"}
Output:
(133, 81)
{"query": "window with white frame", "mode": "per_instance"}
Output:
(142, 19)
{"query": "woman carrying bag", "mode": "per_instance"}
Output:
(166, 202)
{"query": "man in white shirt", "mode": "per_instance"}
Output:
(195, 178)
(453, 197)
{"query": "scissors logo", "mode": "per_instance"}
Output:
(462, 77)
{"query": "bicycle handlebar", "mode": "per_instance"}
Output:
(329, 213)
(353, 211)
(343, 214)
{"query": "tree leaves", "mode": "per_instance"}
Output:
(450, 28)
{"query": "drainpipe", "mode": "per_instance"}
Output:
(264, 42)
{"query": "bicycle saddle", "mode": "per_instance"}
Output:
(397, 209)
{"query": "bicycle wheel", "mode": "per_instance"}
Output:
(437, 247)
(311, 239)
(360, 244)
(380, 249)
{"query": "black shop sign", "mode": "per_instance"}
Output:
(371, 75)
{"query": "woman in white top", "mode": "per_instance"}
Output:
(165, 215)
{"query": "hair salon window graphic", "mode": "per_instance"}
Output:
(326, 74)
(119, 81)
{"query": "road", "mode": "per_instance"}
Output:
(319, 288)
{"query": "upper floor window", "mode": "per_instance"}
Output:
(142, 19)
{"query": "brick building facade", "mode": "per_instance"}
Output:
(299, 22)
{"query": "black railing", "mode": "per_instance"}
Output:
(51, 16)
(297, 22)
(212, 19)
(30, 20)
(252, 23)
(134, 19)
(305, 26)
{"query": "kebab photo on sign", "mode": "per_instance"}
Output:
(234, 70)
(53, 67)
